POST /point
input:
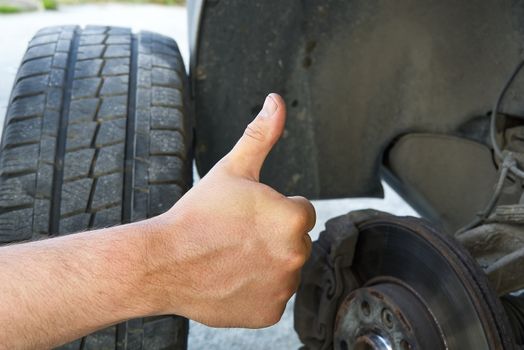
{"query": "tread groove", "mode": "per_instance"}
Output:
(13, 174)
(167, 182)
(34, 75)
(90, 175)
(15, 208)
(21, 144)
(54, 216)
(129, 155)
(168, 154)
(33, 94)
(90, 202)
(93, 186)
(36, 58)
(23, 118)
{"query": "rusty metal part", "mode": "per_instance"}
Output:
(495, 237)
(387, 315)
(506, 274)
(419, 272)
(498, 246)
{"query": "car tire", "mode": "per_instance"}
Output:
(97, 134)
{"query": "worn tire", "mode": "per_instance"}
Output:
(96, 135)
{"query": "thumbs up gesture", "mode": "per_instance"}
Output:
(229, 253)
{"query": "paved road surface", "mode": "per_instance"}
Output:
(17, 30)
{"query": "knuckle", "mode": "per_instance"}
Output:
(295, 261)
(255, 131)
(272, 318)
(308, 246)
(288, 291)
(287, 287)
(299, 220)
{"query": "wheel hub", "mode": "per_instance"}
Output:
(384, 316)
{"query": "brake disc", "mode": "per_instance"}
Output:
(376, 281)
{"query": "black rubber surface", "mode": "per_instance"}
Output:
(96, 135)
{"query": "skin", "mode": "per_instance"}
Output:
(227, 254)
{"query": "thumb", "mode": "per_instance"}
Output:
(260, 136)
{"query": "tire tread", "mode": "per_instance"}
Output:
(86, 170)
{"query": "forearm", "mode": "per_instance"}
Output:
(60, 289)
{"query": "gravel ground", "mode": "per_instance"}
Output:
(17, 30)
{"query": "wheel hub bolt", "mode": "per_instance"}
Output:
(387, 318)
(366, 308)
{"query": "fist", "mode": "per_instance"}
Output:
(230, 251)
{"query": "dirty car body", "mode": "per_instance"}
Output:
(362, 79)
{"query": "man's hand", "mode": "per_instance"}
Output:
(232, 248)
(227, 254)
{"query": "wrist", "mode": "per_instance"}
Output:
(128, 252)
(159, 264)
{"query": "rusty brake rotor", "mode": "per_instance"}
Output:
(376, 281)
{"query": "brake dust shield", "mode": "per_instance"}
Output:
(376, 281)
